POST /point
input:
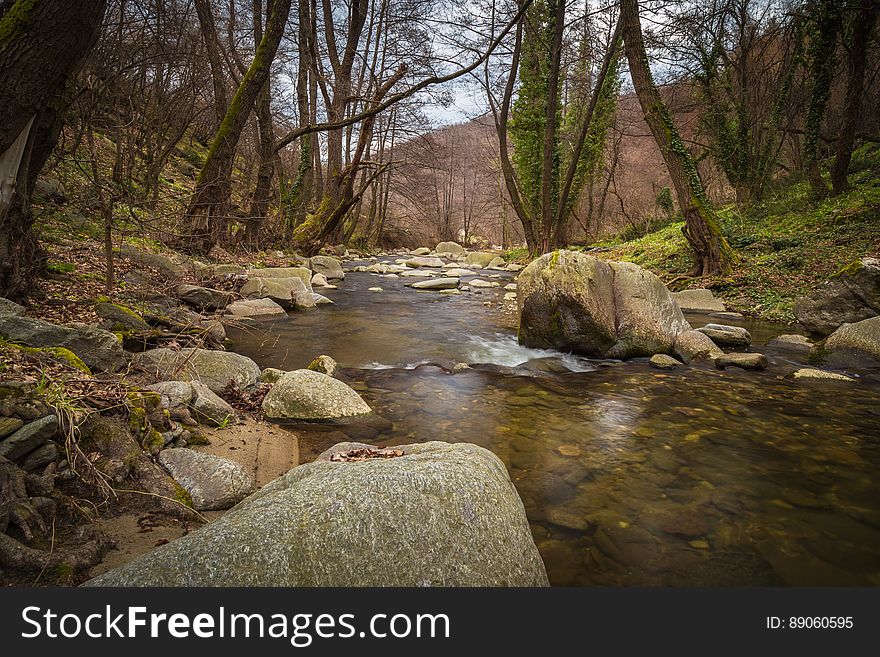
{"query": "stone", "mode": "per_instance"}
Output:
(441, 515)
(664, 362)
(324, 365)
(213, 368)
(575, 302)
(699, 300)
(418, 273)
(302, 273)
(458, 272)
(421, 251)
(510, 296)
(810, 373)
(510, 287)
(330, 267)
(791, 343)
(29, 437)
(214, 483)
(695, 347)
(375, 289)
(450, 292)
(163, 264)
(203, 298)
(99, 349)
(8, 307)
(853, 345)
(50, 189)
(424, 262)
(747, 361)
(40, 457)
(255, 308)
(727, 336)
(514, 267)
(479, 258)
(850, 296)
(319, 280)
(436, 284)
(449, 248)
(271, 375)
(479, 282)
(9, 425)
(174, 394)
(286, 292)
(497, 263)
(309, 395)
(121, 315)
(208, 408)
(321, 300)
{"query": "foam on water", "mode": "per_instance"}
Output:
(502, 349)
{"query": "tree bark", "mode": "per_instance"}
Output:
(42, 44)
(862, 25)
(215, 58)
(209, 206)
(701, 229)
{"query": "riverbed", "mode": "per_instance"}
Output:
(629, 476)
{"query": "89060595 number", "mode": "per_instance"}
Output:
(820, 622)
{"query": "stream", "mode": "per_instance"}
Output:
(630, 476)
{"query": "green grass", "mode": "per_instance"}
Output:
(786, 245)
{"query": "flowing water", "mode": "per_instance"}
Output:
(629, 476)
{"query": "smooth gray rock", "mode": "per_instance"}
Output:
(458, 272)
(8, 307)
(479, 282)
(319, 280)
(479, 258)
(121, 315)
(727, 336)
(286, 292)
(329, 267)
(423, 262)
(700, 300)
(212, 482)
(575, 302)
(811, 373)
(850, 296)
(747, 361)
(29, 437)
(436, 284)
(310, 395)
(321, 300)
(664, 362)
(40, 457)
(421, 251)
(792, 343)
(213, 368)
(203, 298)
(255, 308)
(302, 273)
(174, 393)
(695, 347)
(271, 375)
(99, 349)
(853, 345)
(442, 515)
(209, 408)
(324, 364)
(449, 248)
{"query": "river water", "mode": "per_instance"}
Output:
(629, 476)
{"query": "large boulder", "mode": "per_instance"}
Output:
(310, 395)
(208, 408)
(212, 482)
(695, 347)
(699, 300)
(213, 368)
(97, 348)
(286, 292)
(441, 515)
(479, 258)
(117, 315)
(436, 284)
(575, 302)
(727, 336)
(853, 345)
(303, 273)
(330, 267)
(255, 309)
(850, 296)
(203, 298)
(448, 248)
(423, 261)
(8, 307)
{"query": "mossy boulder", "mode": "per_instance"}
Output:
(439, 515)
(854, 345)
(850, 296)
(120, 315)
(213, 368)
(98, 349)
(574, 302)
(331, 268)
(302, 273)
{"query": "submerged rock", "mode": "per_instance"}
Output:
(851, 296)
(810, 373)
(441, 515)
(747, 361)
(791, 343)
(853, 345)
(575, 302)
(664, 362)
(727, 336)
(212, 482)
(309, 395)
(213, 368)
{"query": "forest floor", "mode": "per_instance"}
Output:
(786, 245)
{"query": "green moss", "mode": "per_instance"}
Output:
(182, 495)
(554, 259)
(197, 438)
(17, 20)
(153, 442)
(61, 354)
(137, 420)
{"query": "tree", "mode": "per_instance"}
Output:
(710, 249)
(861, 24)
(209, 206)
(42, 45)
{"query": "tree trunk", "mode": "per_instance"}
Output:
(42, 44)
(701, 229)
(550, 156)
(862, 24)
(215, 58)
(209, 206)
